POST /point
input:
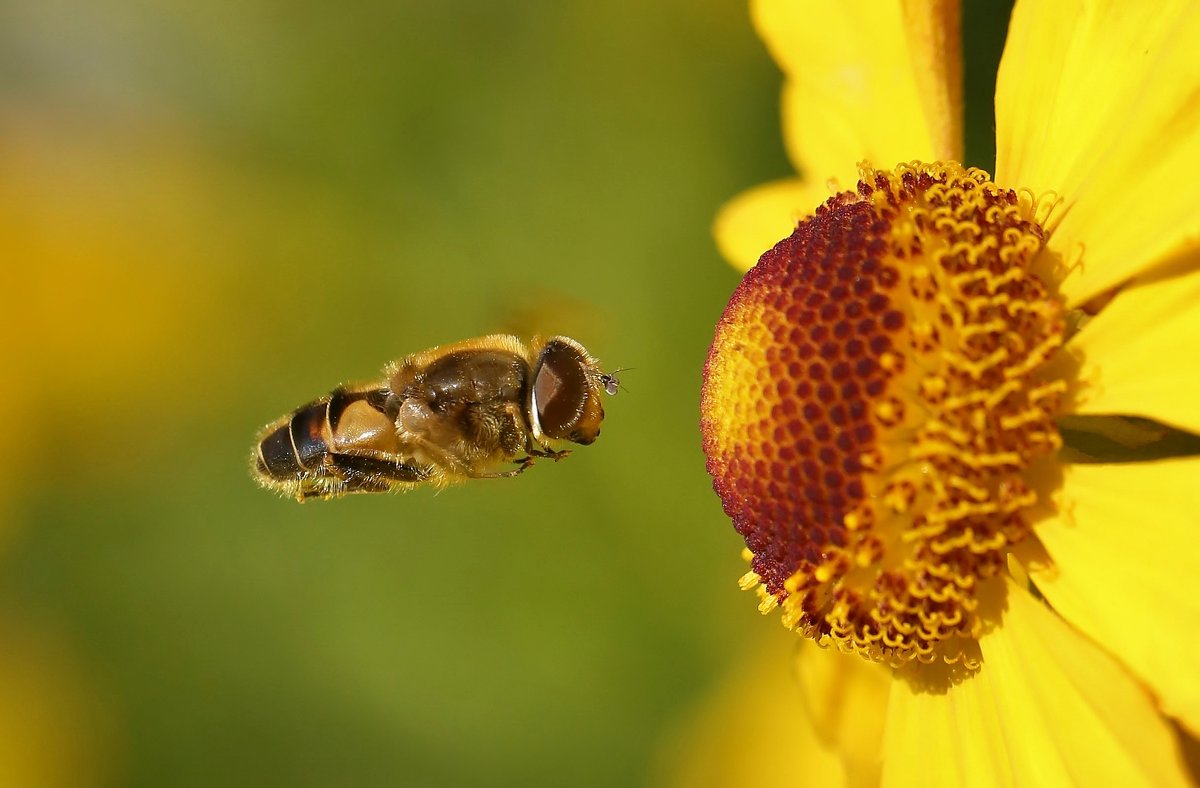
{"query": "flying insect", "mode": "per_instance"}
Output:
(442, 416)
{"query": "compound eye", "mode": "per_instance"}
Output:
(565, 395)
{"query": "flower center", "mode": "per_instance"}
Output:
(873, 400)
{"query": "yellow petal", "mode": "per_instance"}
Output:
(1100, 103)
(951, 739)
(854, 84)
(753, 729)
(1139, 356)
(759, 218)
(934, 32)
(847, 700)
(1127, 573)
(1047, 708)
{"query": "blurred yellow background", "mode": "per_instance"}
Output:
(212, 212)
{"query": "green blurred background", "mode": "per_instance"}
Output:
(211, 212)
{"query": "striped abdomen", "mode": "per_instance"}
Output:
(342, 443)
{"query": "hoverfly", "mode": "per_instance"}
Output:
(441, 416)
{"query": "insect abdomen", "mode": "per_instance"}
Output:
(343, 443)
(297, 446)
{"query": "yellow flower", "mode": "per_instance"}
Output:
(887, 393)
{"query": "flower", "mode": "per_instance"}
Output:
(898, 396)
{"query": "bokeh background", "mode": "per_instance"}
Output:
(211, 212)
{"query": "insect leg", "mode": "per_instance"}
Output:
(541, 450)
(367, 473)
